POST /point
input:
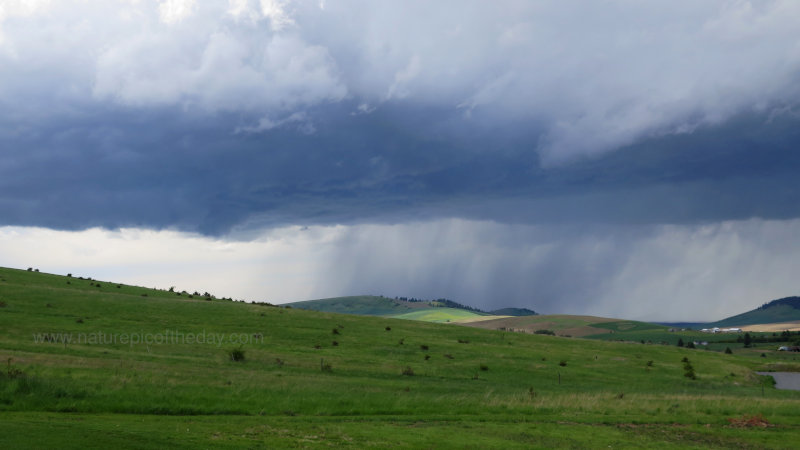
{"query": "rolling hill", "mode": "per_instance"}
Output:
(777, 311)
(441, 310)
(97, 364)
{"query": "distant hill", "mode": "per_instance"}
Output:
(785, 309)
(517, 312)
(439, 310)
(366, 305)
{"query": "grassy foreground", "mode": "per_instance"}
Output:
(113, 365)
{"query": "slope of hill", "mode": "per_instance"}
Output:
(440, 310)
(563, 325)
(513, 312)
(781, 310)
(99, 364)
(368, 305)
(439, 315)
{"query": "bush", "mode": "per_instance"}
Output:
(326, 367)
(237, 354)
(427, 357)
(562, 363)
(548, 332)
(728, 350)
(335, 343)
(79, 320)
(484, 367)
(463, 341)
(388, 328)
(335, 331)
(688, 370)
(423, 347)
(408, 371)
(2, 304)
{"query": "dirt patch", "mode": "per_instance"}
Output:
(753, 421)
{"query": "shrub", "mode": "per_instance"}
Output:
(335, 331)
(79, 320)
(388, 328)
(688, 370)
(448, 356)
(650, 363)
(279, 362)
(326, 367)
(400, 342)
(423, 347)
(484, 367)
(728, 350)
(563, 363)
(236, 354)
(30, 269)
(335, 343)
(408, 371)
(2, 304)
(680, 342)
(172, 289)
(549, 332)
(427, 357)
(463, 341)
(69, 275)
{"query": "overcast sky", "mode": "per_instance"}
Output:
(617, 158)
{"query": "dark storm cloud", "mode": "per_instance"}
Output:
(115, 169)
(220, 116)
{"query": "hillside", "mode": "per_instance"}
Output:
(781, 310)
(513, 312)
(563, 325)
(98, 364)
(368, 305)
(440, 310)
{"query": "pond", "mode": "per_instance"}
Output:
(785, 380)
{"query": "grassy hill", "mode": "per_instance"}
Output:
(372, 305)
(99, 364)
(780, 310)
(369, 305)
(513, 312)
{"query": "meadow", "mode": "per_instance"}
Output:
(91, 363)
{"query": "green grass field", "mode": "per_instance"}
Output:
(438, 315)
(121, 366)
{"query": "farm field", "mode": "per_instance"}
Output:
(97, 364)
